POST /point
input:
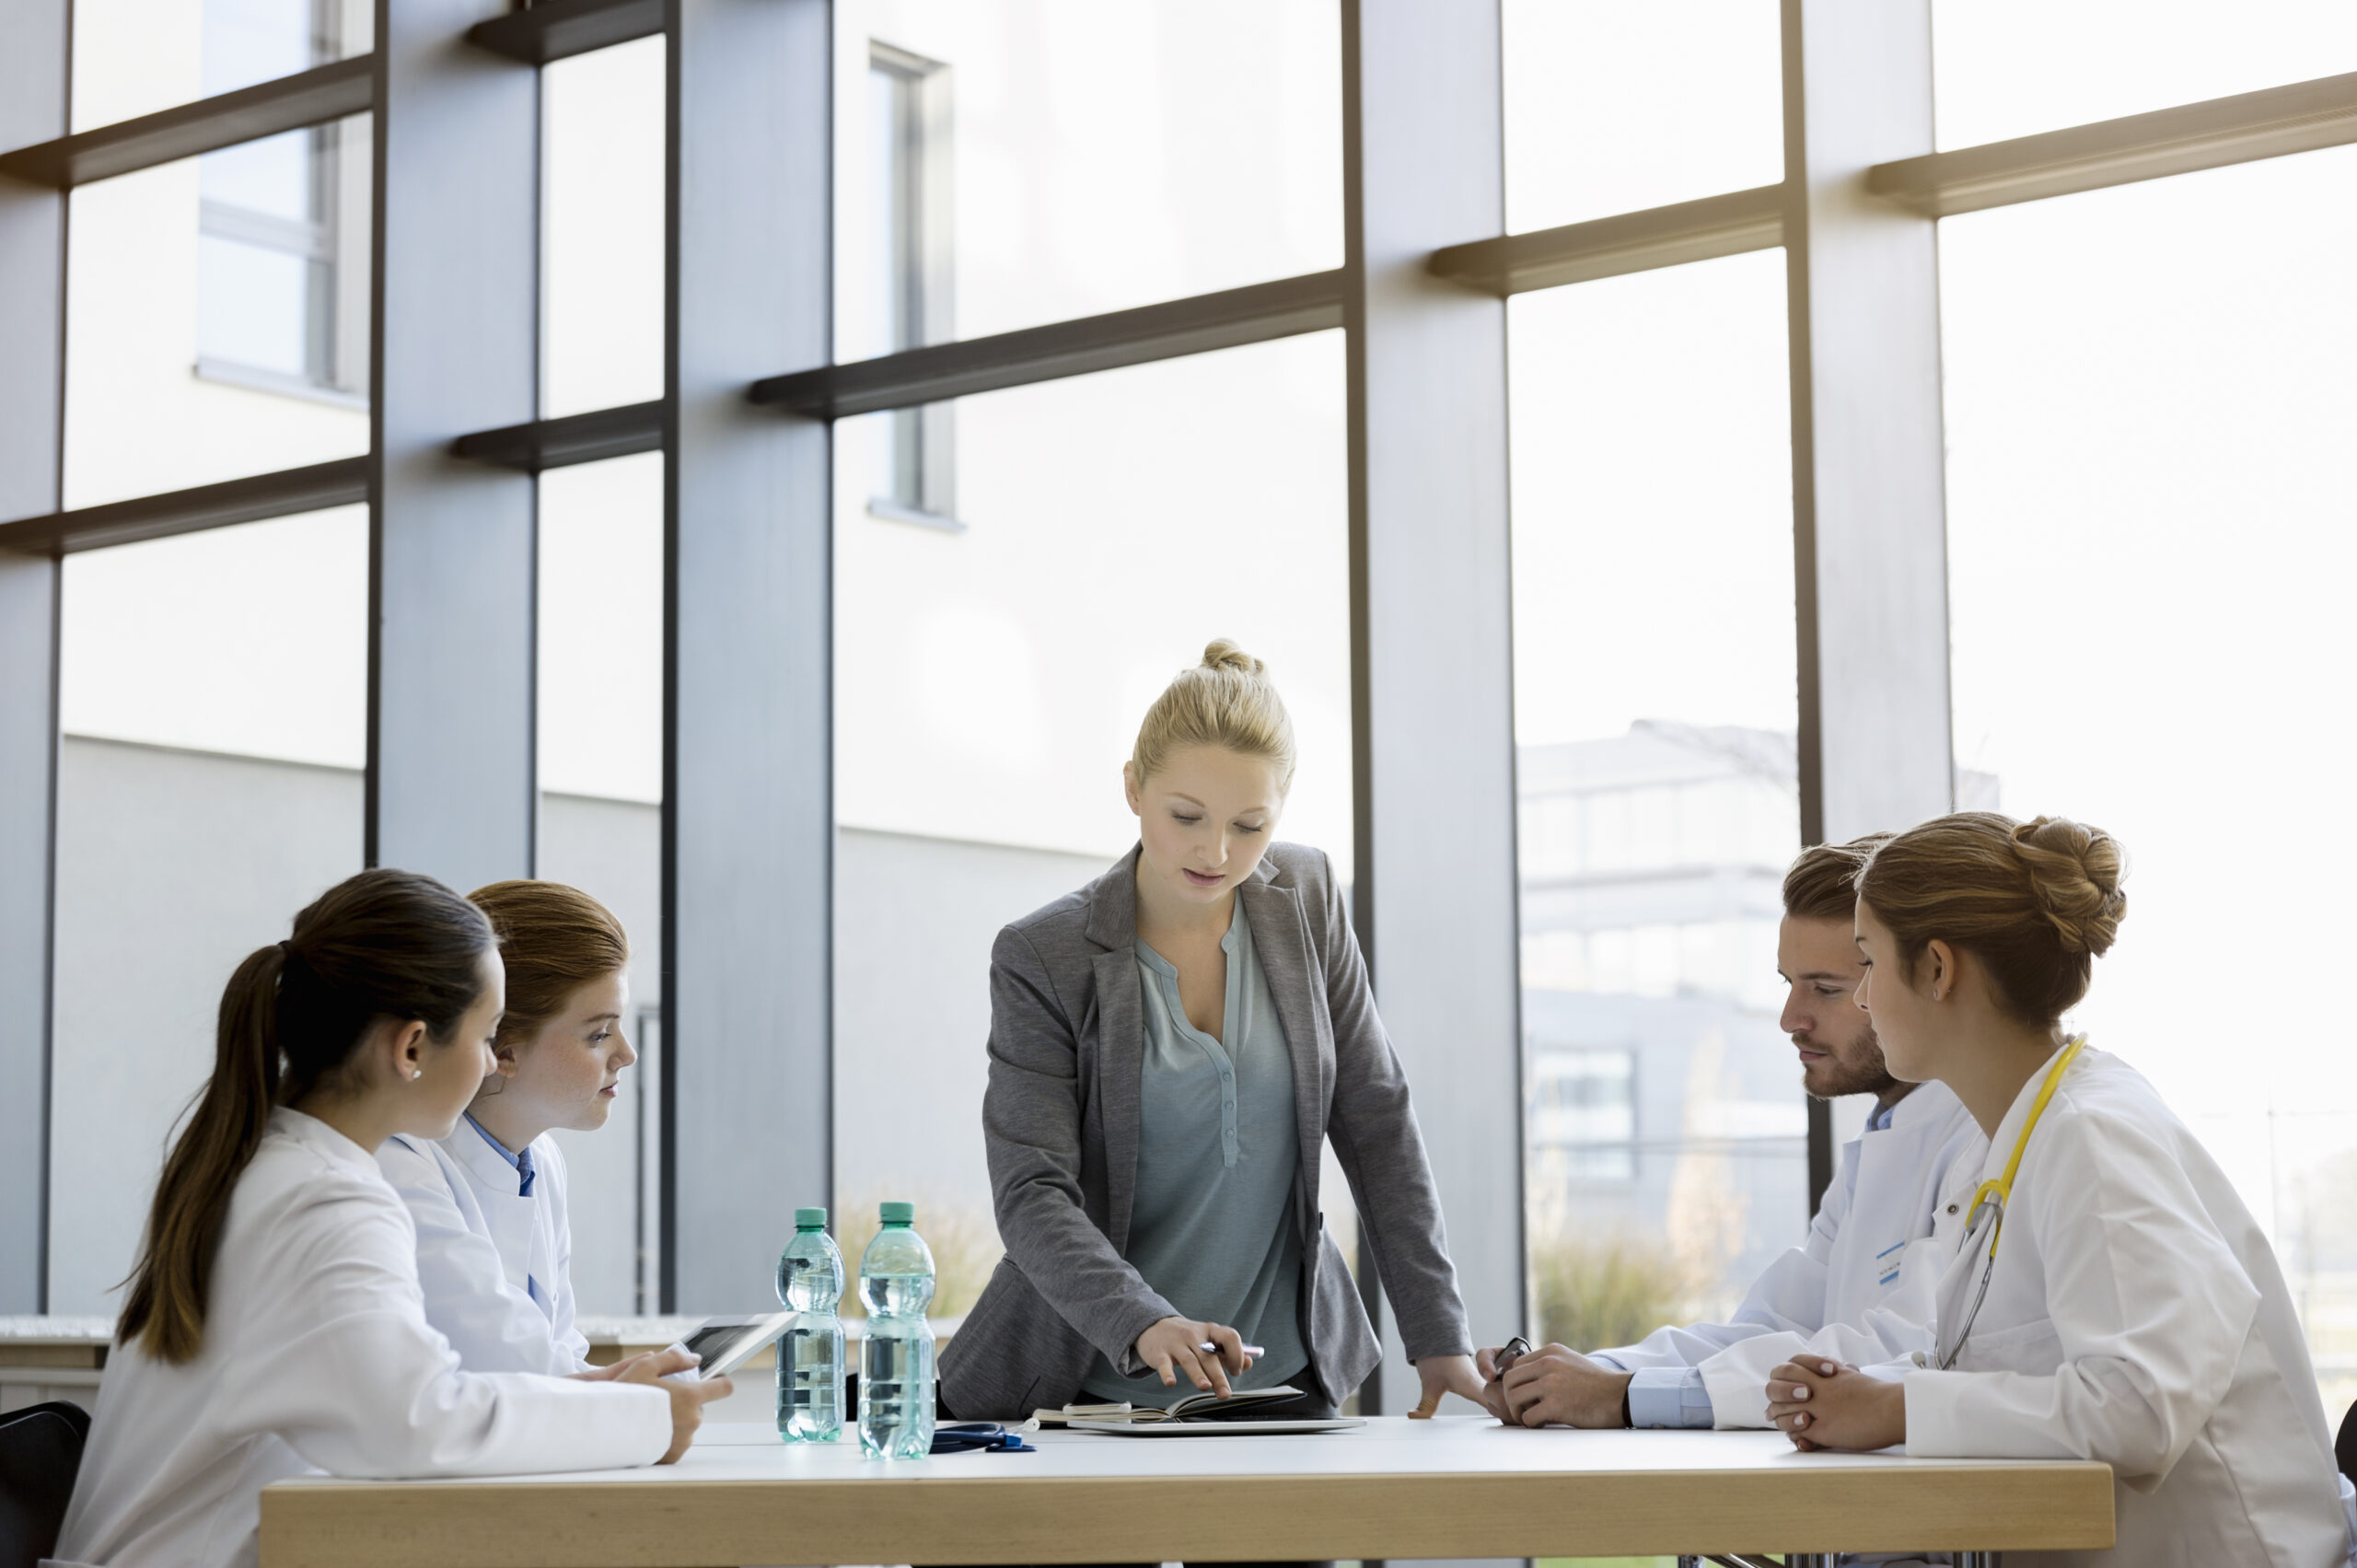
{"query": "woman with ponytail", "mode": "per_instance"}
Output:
(2111, 1298)
(495, 1241)
(1171, 1047)
(274, 1325)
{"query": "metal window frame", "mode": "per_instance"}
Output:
(747, 826)
(2243, 128)
(558, 30)
(1431, 650)
(454, 346)
(316, 97)
(34, 86)
(1869, 486)
(1854, 215)
(2272, 123)
(1625, 242)
(283, 493)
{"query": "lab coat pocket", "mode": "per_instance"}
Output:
(2034, 1347)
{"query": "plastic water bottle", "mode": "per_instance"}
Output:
(810, 1357)
(895, 1359)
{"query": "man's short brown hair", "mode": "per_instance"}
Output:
(1823, 883)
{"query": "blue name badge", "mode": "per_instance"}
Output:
(1887, 1260)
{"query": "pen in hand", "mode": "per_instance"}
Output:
(1210, 1349)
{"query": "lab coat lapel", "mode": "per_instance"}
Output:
(1112, 924)
(1295, 985)
(1886, 1208)
(513, 1220)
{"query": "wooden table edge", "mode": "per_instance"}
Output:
(1008, 1517)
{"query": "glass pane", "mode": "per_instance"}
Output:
(214, 693)
(603, 182)
(216, 315)
(2011, 67)
(133, 57)
(1611, 107)
(1069, 156)
(2149, 399)
(1656, 722)
(602, 792)
(989, 685)
(250, 305)
(271, 178)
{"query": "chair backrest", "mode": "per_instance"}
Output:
(41, 1449)
(2344, 1447)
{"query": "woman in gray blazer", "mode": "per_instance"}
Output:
(1170, 1048)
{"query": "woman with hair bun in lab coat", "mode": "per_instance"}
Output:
(273, 1325)
(495, 1244)
(2112, 1298)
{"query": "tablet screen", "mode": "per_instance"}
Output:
(723, 1342)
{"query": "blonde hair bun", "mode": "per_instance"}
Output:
(2034, 901)
(1228, 700)
(2074, 872)
(1221, 654)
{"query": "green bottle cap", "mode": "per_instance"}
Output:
(809, 1219)
(896, 1213)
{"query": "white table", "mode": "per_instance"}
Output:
(1459, 1486)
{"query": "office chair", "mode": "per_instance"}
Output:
(40, 1448)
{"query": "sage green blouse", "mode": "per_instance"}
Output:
(1211, 1226)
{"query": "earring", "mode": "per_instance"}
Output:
(419, 1073)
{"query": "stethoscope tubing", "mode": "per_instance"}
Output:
(1947, 1358)
(1997, 1193)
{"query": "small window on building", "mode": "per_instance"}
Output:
(282, 296)
(1584, 1111)
(908, 125)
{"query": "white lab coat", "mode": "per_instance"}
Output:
(1859, 1269)
(496, 1268)
(2136, 1315)
(317, 1356)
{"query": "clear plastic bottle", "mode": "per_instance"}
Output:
(810, 1357)
(896, 1358)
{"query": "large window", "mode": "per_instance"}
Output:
(1106, 154)
(214, 695)
(133, 57)
(948, 585)
(601, 826)
(1653, 699)
(2148, 395)
(216, 319)
(1613, 107)
(2014, 67)
(989, 685)
(601, 219)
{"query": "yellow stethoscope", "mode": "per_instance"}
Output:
(1990, 1197)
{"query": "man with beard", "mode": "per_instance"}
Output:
(1857, 1289)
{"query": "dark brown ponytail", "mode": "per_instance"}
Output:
(381, 945)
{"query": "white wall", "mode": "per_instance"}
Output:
(172, 867)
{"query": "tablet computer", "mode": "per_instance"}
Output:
(726, 1343)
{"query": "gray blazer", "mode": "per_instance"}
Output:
(1061, 1122)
